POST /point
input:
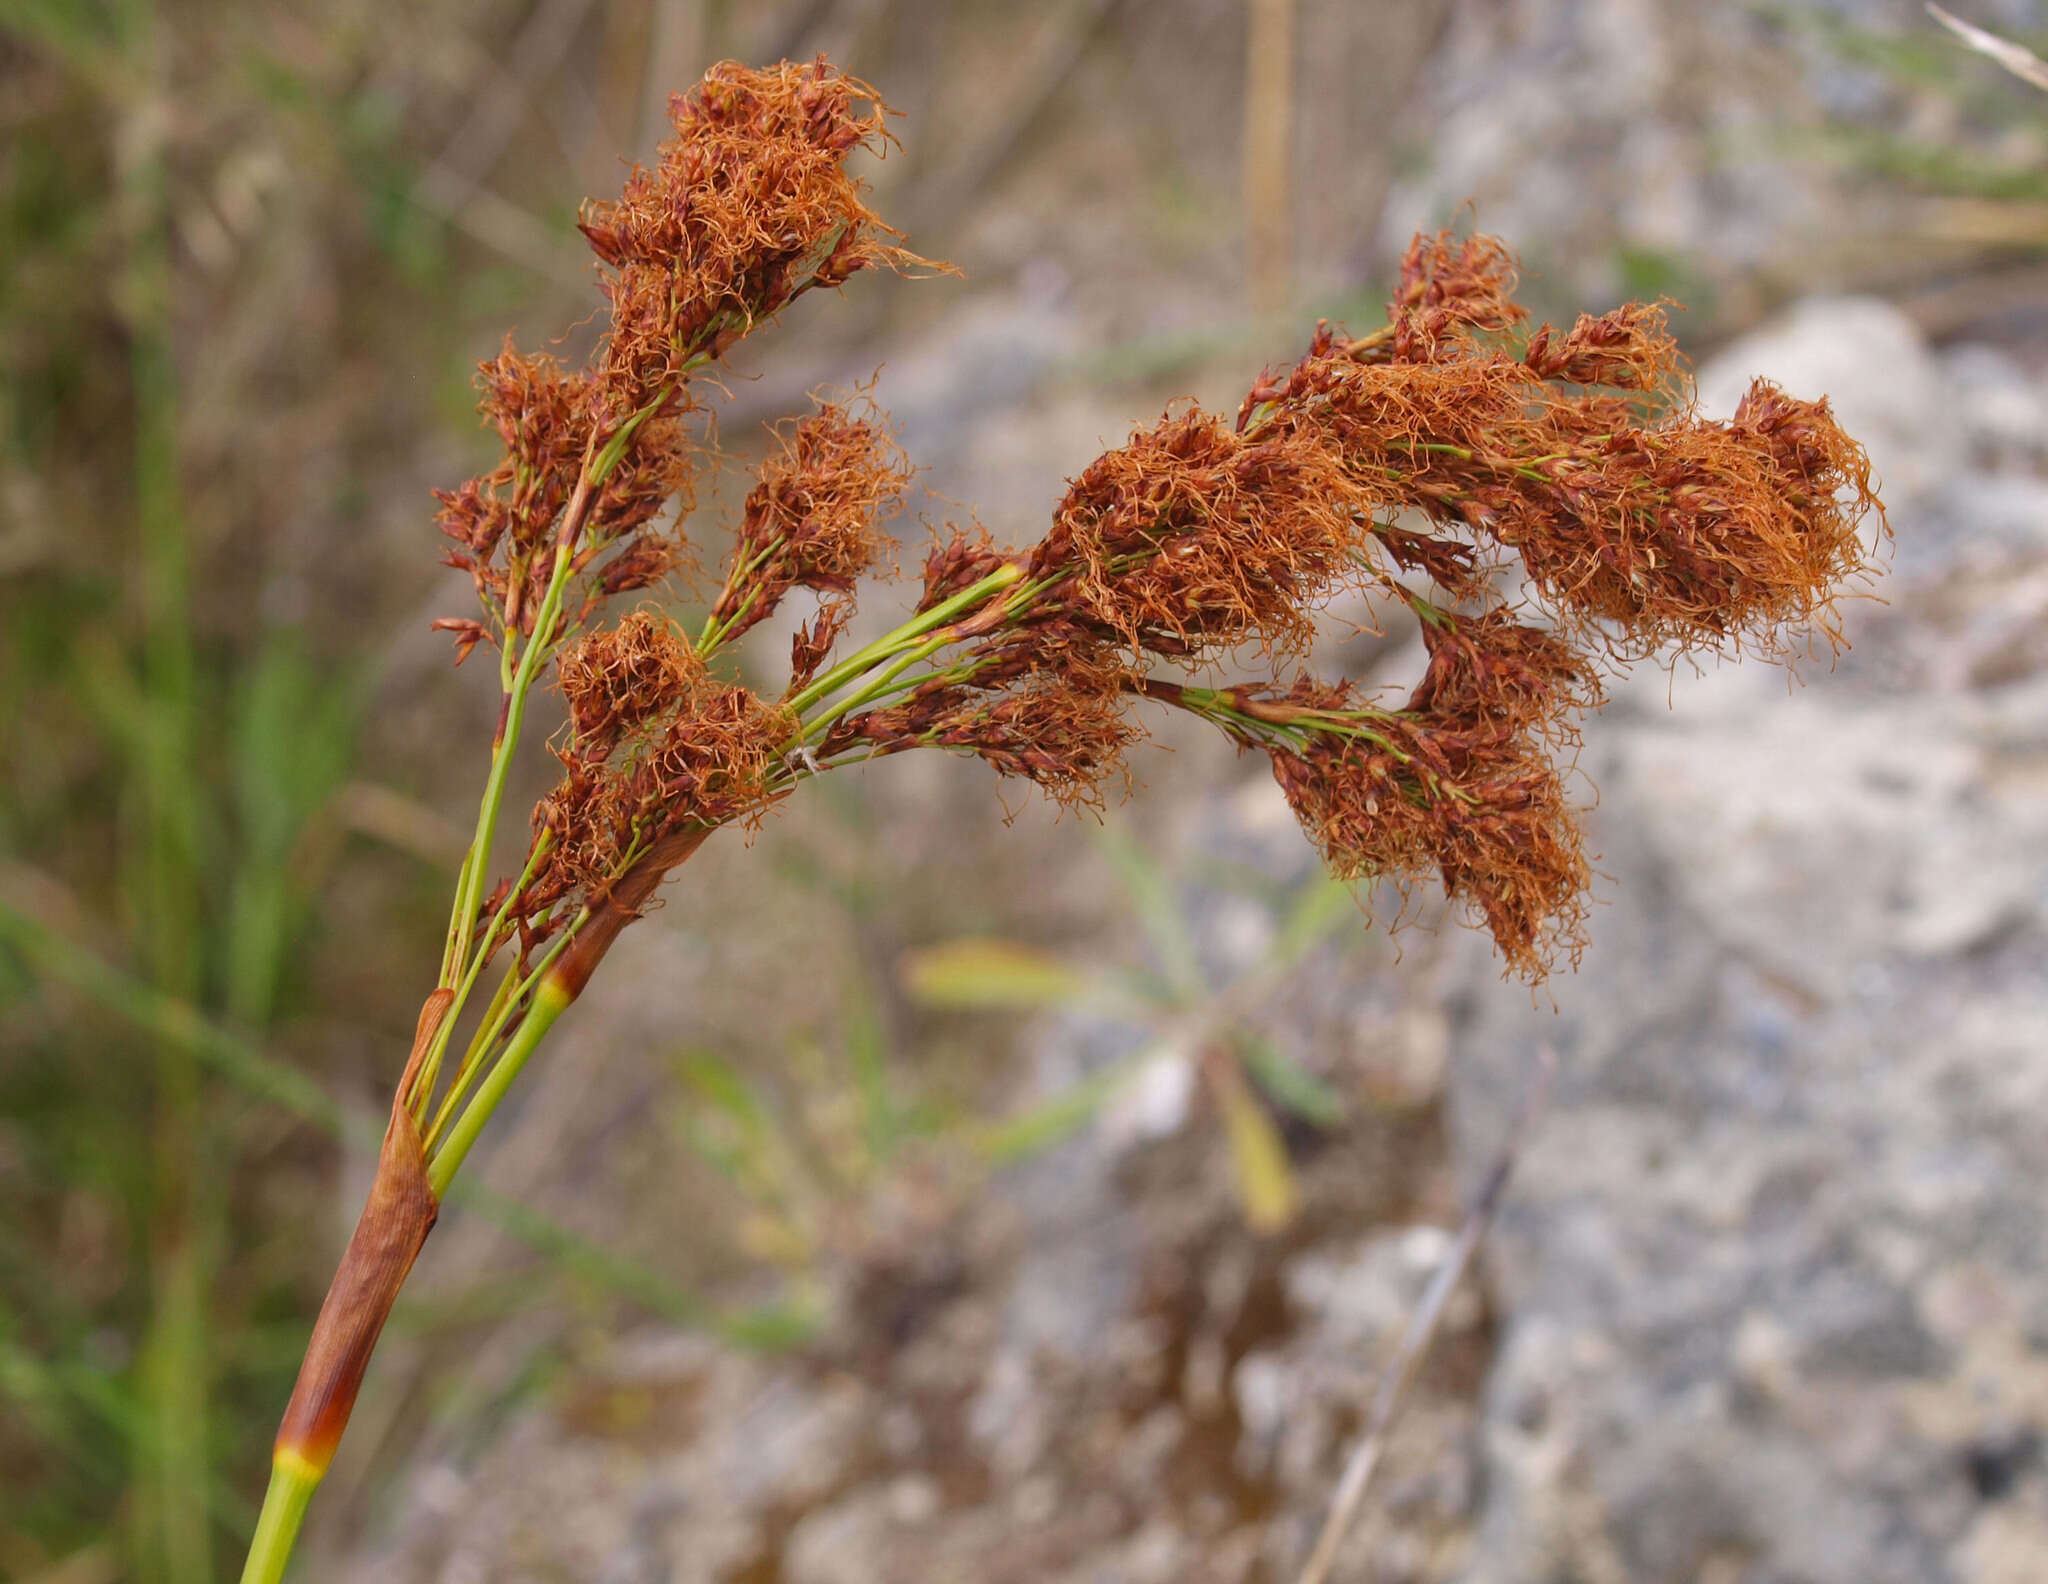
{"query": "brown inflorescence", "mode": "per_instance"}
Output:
(1419, 465)
(1194, 537)
(1461, 784)
(1493, 667)
(1645, 524)
(814, 518)
(620, 677)
(1063, 738)
(1638, 525)
(1450, 290)
(655, 745)
(746, 208)
(956, 563)
(1479, 808)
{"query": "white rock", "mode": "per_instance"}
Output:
(1871, 361)
(2003, 409)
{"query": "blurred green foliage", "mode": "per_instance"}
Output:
(1179, 1013)
(1955, 126)
(169, 765)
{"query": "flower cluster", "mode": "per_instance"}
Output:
(749, 206)
(1462, 782)
(1427, 465)
(656, 746)
(813, 521)
(1645, 525)
(1446, 446)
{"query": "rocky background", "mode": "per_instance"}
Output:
(1768, 1303)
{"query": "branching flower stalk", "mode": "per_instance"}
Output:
(1427, 465)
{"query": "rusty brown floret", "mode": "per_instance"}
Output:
(814, 519)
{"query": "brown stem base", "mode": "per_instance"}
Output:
(396, 1219)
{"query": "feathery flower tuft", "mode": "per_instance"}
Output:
(617, 678)
(746, 209)
(1193, 537)
(656, 746)
(1450, 788)
(814, 519)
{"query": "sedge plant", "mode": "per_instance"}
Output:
(1424, 464)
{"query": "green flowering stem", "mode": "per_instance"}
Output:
(551, 999)
(292, 1483)
(907, 636)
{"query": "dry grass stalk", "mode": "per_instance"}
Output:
(1401, 1369)
(1415, 464)
(2022, 62)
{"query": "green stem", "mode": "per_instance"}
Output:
(550, 1000)
(905, 637)
(948, 676)
(489, 1026)
(715, 630)
(430, 1069)
(292, 1483)
(497, 1015)
(875, 689)
(477, 861)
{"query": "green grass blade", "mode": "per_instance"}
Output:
(980, 974)
(1286, 1082)
(292, 740)
(1040, 1127)
(1159, 910)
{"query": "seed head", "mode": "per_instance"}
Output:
(746, 208)
(1422, 466)
(1454, 794)
(814, 518)
(1193, 537)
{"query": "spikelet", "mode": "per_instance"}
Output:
(814, 518)
(1465, 802)
(749, 206)
(655, 745)
(1193, 537)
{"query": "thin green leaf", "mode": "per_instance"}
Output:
(1287, 1083)
(983, 974)
(1266, 1188)
(292, 739)
(291, 742)
(1037, 1129)
(1151, 892)
(867, 1052)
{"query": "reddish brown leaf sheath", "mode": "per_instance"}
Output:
(432, 1014)
(395, 1222)
(619, 906)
